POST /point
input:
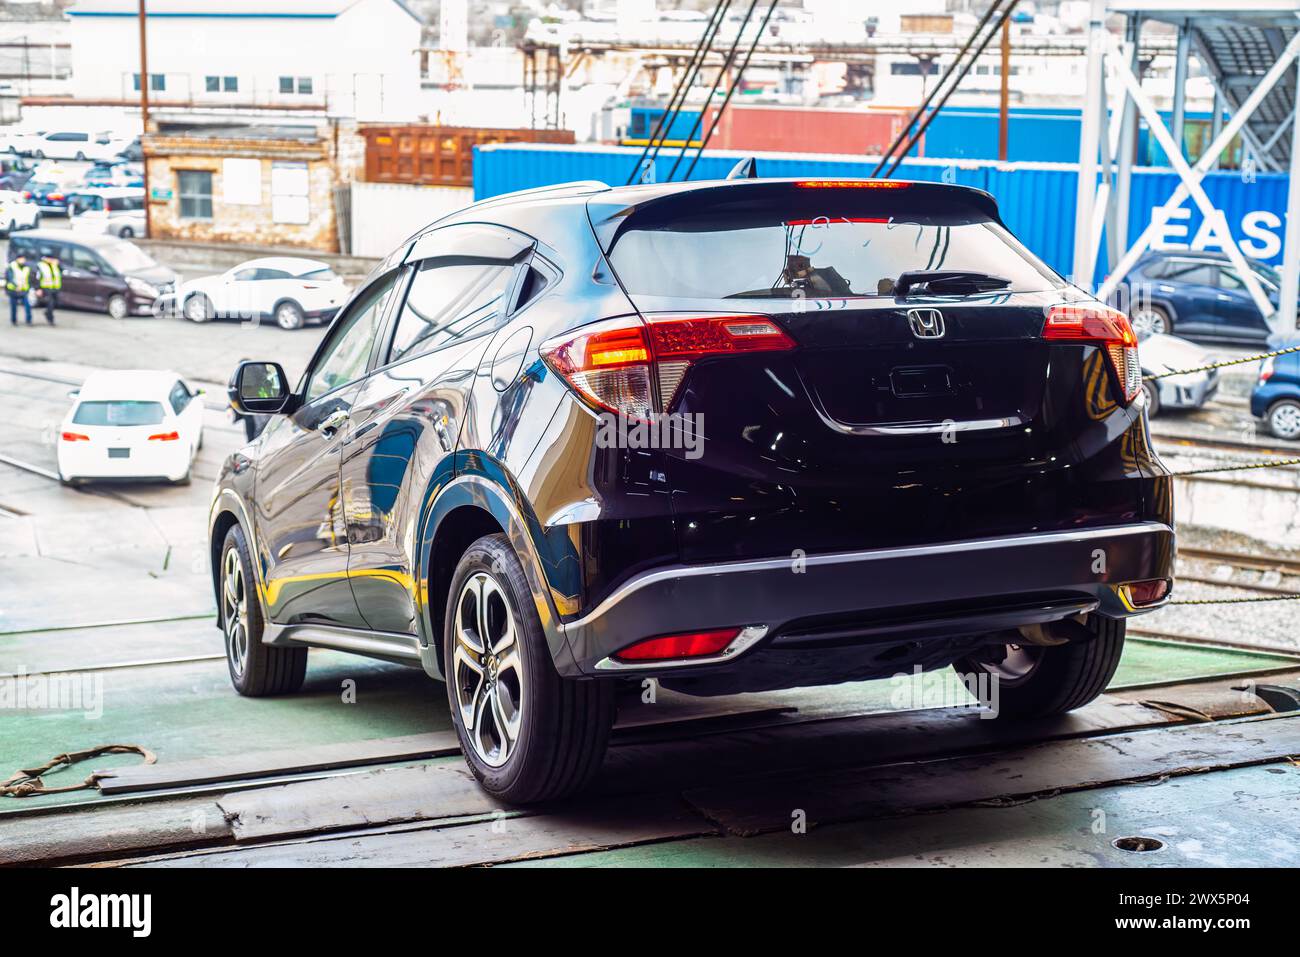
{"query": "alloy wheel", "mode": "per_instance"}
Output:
(1149, 321)
(117, 308)
(1285, 421)
(487, 671)
(234, 606)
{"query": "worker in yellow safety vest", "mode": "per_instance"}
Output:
(18, 283)
(51, 281)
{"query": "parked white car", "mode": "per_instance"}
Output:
(137, 424)
(19, 140)
(284, 288)
(17, 212)
(77, 145)
(115, 210)
(1159, 354)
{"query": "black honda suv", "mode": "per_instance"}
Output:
(733, 436)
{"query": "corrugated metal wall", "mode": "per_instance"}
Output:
(1037, 200)
(384, 214)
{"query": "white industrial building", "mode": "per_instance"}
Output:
(346, 58)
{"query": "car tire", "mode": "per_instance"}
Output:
(1284, 419)
(256, 670)
(561, 726)
(117, 306)
(1153, 318)
(38, 154)
(1153, 399)
(80, 157)
(1036, 681)
(36, 221)
(198, 308)
(126, 232)
(288, 315)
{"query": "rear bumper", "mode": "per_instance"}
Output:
(889, 596)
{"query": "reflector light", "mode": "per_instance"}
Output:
(75, 437)
(851, 184)
(1100, 324)
(1146, 592)
(693, 644)
(164, 437)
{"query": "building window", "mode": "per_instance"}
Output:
(221, 84)
(289, 193)
(195, 189)
(157, 82)
(289, 84)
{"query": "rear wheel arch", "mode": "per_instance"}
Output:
(455, 532)
(221, 526)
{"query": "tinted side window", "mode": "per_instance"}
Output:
(81, 259)
(1196, 274)
(349, 348)
(449, 300)
(179, 397)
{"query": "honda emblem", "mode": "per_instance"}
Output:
(926, 323)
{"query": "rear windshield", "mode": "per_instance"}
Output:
(814, 243)
(319, 275)
(123, 412)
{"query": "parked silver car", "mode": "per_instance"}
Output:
(1160, 353)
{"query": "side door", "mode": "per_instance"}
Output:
(236, 295)
(408, 416)
(301, 540)
(1190, 286)
(1237, 315)
(82, 282)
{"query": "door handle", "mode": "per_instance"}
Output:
(357, 433)
(333, 422)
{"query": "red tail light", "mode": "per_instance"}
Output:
(55, 196)
(75, 437)
(164, 437)
(611, 363)
(1100, 324)
(694, 644)
(851, 184)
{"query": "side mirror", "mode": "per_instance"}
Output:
(259, 388)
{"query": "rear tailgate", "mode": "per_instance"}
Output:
(895, 419)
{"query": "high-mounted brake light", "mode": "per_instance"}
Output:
(851, 184)
(612, 363)
(75, 437)
(694, 644)
(165, 437)
(1100, 324)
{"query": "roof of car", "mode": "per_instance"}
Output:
(70, 236)
(128, 384)
(292, 264)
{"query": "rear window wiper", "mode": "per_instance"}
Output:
(947, 282)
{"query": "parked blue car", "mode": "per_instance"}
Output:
(1276, 397)
(1199, 296)
(114, 174)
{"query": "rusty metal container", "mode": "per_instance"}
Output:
(438, 155)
